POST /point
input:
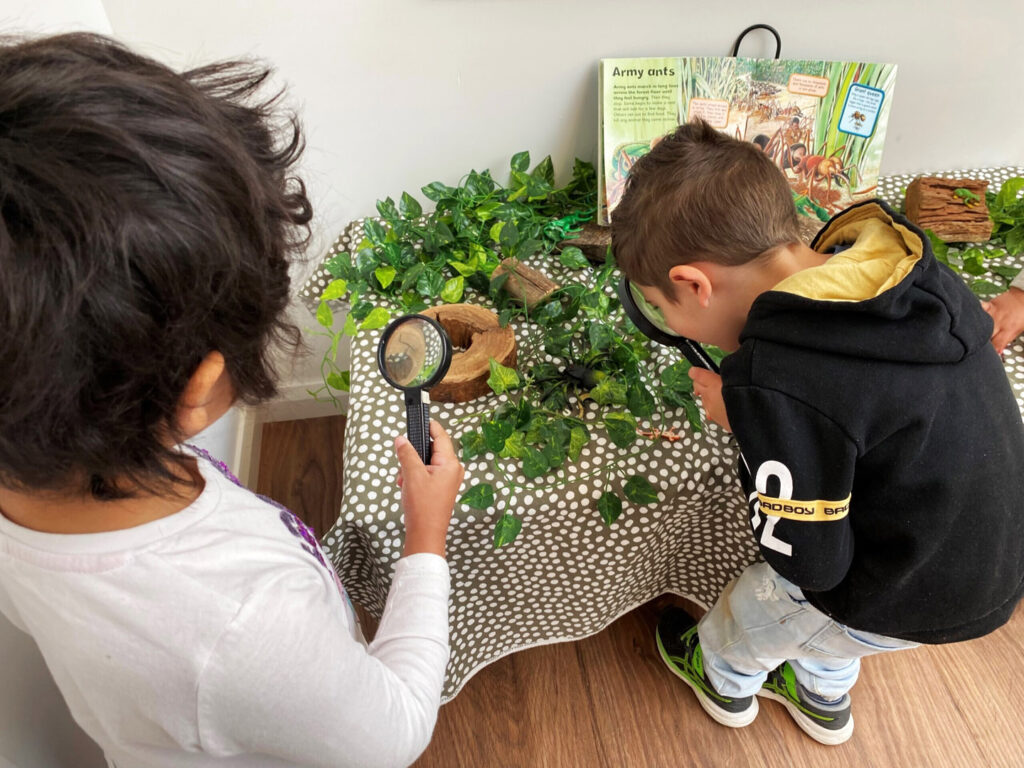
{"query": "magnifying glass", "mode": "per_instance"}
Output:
(413, 355)
(651, 323)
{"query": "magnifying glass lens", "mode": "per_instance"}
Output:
(651, 312)
(413, 354)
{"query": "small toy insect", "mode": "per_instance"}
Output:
(655, 433)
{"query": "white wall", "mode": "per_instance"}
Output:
(36, 729)
(397, 93)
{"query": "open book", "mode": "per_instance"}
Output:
(822, 122)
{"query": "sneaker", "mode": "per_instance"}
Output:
(825, 723)
(679, 647)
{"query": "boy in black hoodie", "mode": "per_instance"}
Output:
(881, 445)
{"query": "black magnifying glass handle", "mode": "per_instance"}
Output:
(417, 421)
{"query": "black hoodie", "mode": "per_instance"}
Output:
(883, 449)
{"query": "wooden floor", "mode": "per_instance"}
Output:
(608, 702)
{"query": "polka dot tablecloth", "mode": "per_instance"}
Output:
(568, 575)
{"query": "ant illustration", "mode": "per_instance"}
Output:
(812, 168)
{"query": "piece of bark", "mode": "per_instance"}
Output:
(476, 337)
(525, 283)
(593, 241)
(932, 203)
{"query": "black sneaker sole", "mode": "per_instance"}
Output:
(716, 713)
(807, 725)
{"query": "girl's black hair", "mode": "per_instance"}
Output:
(146, 218)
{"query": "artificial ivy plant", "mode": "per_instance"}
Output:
(598, 372)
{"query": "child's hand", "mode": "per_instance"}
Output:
(708, 387)
(428, 492)
(1007, 310)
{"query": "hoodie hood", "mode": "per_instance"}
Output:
(883, 296)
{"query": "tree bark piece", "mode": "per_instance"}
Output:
(932, 203)
(593, 241)
(525, 283)
(476, 338)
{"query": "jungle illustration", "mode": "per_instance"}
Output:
(823, 123)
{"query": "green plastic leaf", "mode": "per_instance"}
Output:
(939, 247)
(334, 290)
(974, 261)
(386, 208)
(610, 507)
(639, 490)
(693, 415)
(535, 463)
(578, 437)
(1008, 192)
(452, 291)
(495, 433)
(340, 381)
(350, 329)
(435, 190)
(508, 237)
(374, 231)
(463, 268)
(515, 446)
(479, 184)
(640, 401)
(573, 257)
(545, 170)
(486, 211)
(609, 391)
(410, 207)
(520, 161)
(985, 288)
(1006, 272)
(601, 336)
(480, 496)
(324, 316)
(621, 428)
(472, 445)
(385, 275)
(339, 265)
(444, 233)
(502, 378)
(1015, 240)
(555, 452)
(506, 530)
(377, 318)
(678, 386)
(430, 283)
(549, 314)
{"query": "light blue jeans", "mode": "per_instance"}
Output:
(762, 620)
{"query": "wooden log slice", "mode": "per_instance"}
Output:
(476, 338)
(526, 284)
(932, 203)
(593, 241)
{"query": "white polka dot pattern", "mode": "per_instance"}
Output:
(567, 575)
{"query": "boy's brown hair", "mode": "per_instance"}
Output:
(700, 195)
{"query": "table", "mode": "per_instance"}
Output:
(567, 575)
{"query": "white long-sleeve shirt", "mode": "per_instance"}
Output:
(1018, 281)
(221, 632)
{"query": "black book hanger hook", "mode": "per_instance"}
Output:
(751, 28)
